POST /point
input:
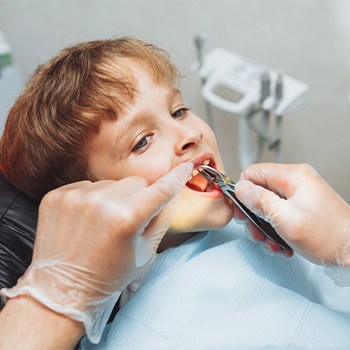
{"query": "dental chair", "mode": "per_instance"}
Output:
(18, 220)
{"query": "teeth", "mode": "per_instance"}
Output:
(195, 172)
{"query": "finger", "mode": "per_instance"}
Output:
(251, 237)
(275, 177)
(163, 191)
(166, 188)
(257, 236)
(274, 247)
(266, 249)
(72, 186)
(255, 233)
(240, 217)
(147, 244)
(262, 202)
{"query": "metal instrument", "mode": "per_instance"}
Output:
(227, 186)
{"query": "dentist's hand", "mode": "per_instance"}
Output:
(92, 239)
(306, 212)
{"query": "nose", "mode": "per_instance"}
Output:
(188, 137)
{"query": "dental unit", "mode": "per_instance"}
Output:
(265, 96)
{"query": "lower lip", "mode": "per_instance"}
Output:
(215, 193)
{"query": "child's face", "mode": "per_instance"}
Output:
(156, 133)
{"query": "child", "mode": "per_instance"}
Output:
(111, 109)
(107, 110)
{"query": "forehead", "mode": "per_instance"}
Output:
(150, 98)
(132, 70)
(139, 78)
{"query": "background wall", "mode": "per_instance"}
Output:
(310, 40)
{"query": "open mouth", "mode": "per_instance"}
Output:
(198, 182)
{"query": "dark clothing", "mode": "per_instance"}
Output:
(18, 220)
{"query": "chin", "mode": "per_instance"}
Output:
(178, 227)
(201, 212)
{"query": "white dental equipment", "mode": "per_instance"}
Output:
(261, 90)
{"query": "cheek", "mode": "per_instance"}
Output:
(206, 130)
(209, 135)
(150, 167)
(210, 139)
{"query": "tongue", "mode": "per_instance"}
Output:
(198, 183)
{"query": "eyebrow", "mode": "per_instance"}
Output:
(128, 124)
(174, 91)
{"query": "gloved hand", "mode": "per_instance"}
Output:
(303, 209)
(92, 239)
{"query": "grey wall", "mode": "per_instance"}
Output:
(310, 40)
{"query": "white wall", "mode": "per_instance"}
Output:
(310, 40)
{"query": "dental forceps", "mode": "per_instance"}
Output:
(227, 186)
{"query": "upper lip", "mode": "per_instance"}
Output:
(199, 160)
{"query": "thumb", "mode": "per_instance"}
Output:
(164, 193)
(147, 244)
(262, 202)
(167, 187)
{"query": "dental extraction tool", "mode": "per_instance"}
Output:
(227, 186)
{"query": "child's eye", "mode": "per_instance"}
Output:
(180, 113)
(142, 144)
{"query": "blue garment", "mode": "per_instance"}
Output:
(218, 291)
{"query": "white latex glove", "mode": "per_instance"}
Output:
(303, 209)
(92, 239)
